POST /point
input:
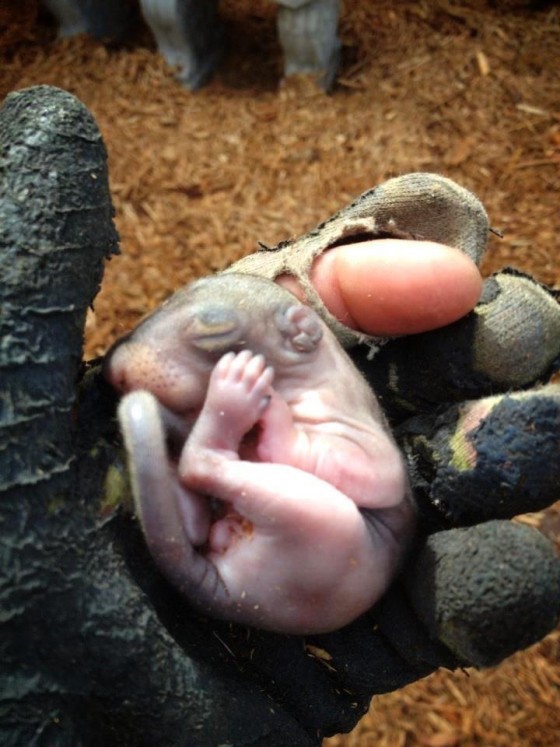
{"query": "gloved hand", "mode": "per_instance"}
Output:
(478, 431)
(96, 646)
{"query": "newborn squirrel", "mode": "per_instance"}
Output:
(268, 486)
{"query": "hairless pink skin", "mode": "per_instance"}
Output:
(313, 513)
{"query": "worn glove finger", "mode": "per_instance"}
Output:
(486, 591)
(414, 206)
(510, 341)
(491, 458)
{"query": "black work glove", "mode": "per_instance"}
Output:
(96, 647)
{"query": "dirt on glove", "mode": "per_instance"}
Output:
(467, 88)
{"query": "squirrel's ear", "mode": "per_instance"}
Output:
(301, 328)
(215, 329)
